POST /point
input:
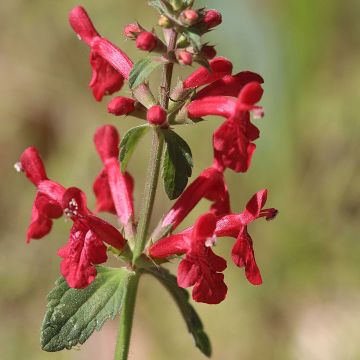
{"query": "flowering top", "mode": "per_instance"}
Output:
(211, 89)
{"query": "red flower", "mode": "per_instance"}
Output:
(156, 115)
(233, 140)
(220, 67)
(235, 225)
(146, 41)
(108, 76)
(212, 18)
(85, 247)
(47, 204)
(209, 184)
(121, 105)
(112, 188)
(86, 243)
(200, 268)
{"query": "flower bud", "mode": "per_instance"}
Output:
(208, 51)
(184, 57)
(212, 18)
(156, 115)
(164, 22)
(131, 31)
(182, 42)
(120, 105)
(189, 17)
(146, 41)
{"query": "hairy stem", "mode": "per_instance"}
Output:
(126, 320)
(155, 160)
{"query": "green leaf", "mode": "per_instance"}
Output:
(189, 314)
(142, 70)
(162, 6)
(129, 142)
(74, 314)
(177, 165)
(194, 37)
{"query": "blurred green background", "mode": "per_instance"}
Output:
(307, 156)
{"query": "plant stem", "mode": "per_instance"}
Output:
(126, 320)
(155, 160)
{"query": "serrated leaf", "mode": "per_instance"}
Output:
(129, 142)
(74, 314)
(162, 6)
(177, 164)
(142, 70)
(189, 314)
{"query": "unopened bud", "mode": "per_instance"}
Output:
(182, 42)
(156, 115)
(121, 106)
(146, 41)
(208, 51)
(189, 17)
(184, 57)
(164, 21)
(131, 31)
(212, 18)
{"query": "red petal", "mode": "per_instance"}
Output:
(210, 292)
(107, 142)
(229, 85)
(188, 274)
(79, 255)
(52, 190)
(243, 256)
(254, 206)
(82, 25)
(220, 67)
(75, 199)
(216, 105)
(33, 166)
(203, 229)
(112, 55)
(105, 79)
(104, 200)
(172, 245)
(251, 93)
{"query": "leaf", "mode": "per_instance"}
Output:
(177, 165)
(194, 36)
(142, 70)
(162, 6)
(189, 314)
(129, 142)
(74, 314)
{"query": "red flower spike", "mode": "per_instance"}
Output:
(112, 188)
(229, 85)
(156, 115)
(220, 67)
(209, 184)
(120, 105)
(146, 41)
(82, 24)
(212, 18)
(47, 203)
(201, 267)
(83, 250)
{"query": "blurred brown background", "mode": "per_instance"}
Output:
(308, 158)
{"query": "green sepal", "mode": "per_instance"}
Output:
(143, 69)
(162, 6)
(181, 297)
(194, 37)
(73, 314)
(177, 164)
(129, 142)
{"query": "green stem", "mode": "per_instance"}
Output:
(126, 320)
(149, 193)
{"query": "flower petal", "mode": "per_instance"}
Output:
(107, 142)
(104, 200)
(33, 166)
(172, 245)
(214, 105)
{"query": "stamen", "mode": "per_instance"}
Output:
(73, 208)
(18, 166)
(211, 241)
(78, 36)
(258, 113)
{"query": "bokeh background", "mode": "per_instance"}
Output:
(308, 157)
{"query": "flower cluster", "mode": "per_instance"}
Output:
(212, 89)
